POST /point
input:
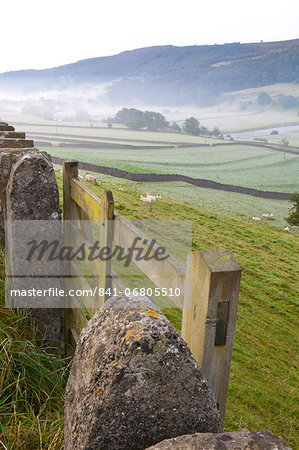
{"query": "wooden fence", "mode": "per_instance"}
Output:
(209, 284)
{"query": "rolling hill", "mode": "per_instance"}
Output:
(171, 75)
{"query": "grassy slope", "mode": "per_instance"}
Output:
(32, 385)
(263, 375)
(240, 165)
(228, 203)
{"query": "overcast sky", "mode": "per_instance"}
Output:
(47, 33)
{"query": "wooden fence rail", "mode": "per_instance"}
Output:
(209, 284)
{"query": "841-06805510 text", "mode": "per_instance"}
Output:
(92, 292)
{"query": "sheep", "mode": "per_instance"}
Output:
(148, 199)
(151, 197)
(286, 229)
(268, 216)
(158, 196)
(255, 218)
(80, 177)
(91, 178)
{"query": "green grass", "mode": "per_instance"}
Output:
(236, 205)
(239, 165)
(263, 382)
(119, 132)
(32, 384)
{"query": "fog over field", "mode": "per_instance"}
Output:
(207, 81)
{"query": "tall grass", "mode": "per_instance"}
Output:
(32, 384)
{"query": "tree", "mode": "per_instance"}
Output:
(126, 114)
(134, 122)
(136, 119)
(191, 126)
(287, 101)
(216, 132)
(204, 131)
(264, 99)
(154, 121)
(174, 126)
(293, 218)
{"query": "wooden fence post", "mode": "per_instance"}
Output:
(209, 316)
(70, 170)
(106, 239)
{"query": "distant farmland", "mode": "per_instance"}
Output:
(240, 165)
(248, 166)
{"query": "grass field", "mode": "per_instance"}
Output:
(228, 203)
(263, 383)
(125, 133)
(240, 165)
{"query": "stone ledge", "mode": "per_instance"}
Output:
(16, 143)
(12, 135)
(5, 127)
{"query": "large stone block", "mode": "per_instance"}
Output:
(5, 127)
(134, 382)
(12, 134)
(32, 194)
(15, 143)
(239, 440)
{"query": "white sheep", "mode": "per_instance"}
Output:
(150, 197)
(286, 229)
(80, 177)
(255, 218)
(91, 178)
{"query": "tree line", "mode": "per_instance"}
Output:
(136, 119)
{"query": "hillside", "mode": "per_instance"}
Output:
(169, 74)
